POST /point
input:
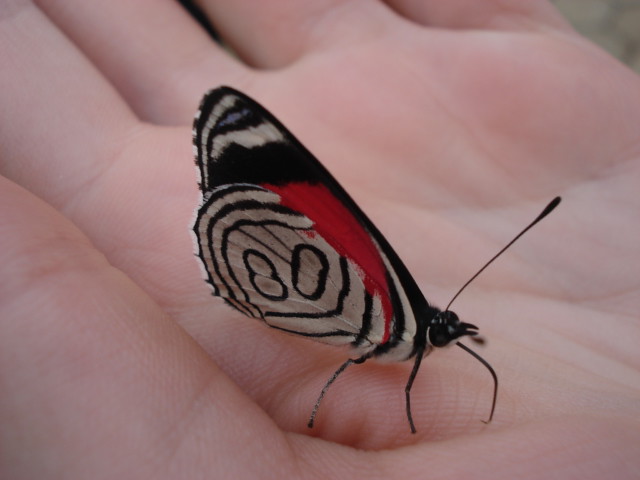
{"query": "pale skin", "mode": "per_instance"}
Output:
(451, 123)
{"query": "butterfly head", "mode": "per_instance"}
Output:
(446, 327)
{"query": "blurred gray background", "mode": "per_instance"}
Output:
(612, 24)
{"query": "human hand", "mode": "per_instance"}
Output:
(452, 124)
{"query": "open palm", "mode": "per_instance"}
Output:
(451, 123)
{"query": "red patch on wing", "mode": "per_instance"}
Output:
(337, 225)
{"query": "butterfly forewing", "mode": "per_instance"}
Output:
(281, 241)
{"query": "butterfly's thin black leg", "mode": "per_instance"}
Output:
(493, 375)
(407, 389)
(333, 378)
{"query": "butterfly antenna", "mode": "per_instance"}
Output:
(547, 210)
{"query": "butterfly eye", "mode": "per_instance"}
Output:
(446, 327)
(443, 329)
(439, 335)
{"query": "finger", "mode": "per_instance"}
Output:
(154, 53)
(66, 135)
(57, 111)
(492, 14)
(275, 34)
(87, 357)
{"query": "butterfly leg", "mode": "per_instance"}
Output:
(407, 389)
(493, 375)
(333, 378)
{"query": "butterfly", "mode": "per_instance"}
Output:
(281, 241)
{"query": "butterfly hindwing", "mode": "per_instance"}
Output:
(282, 241)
